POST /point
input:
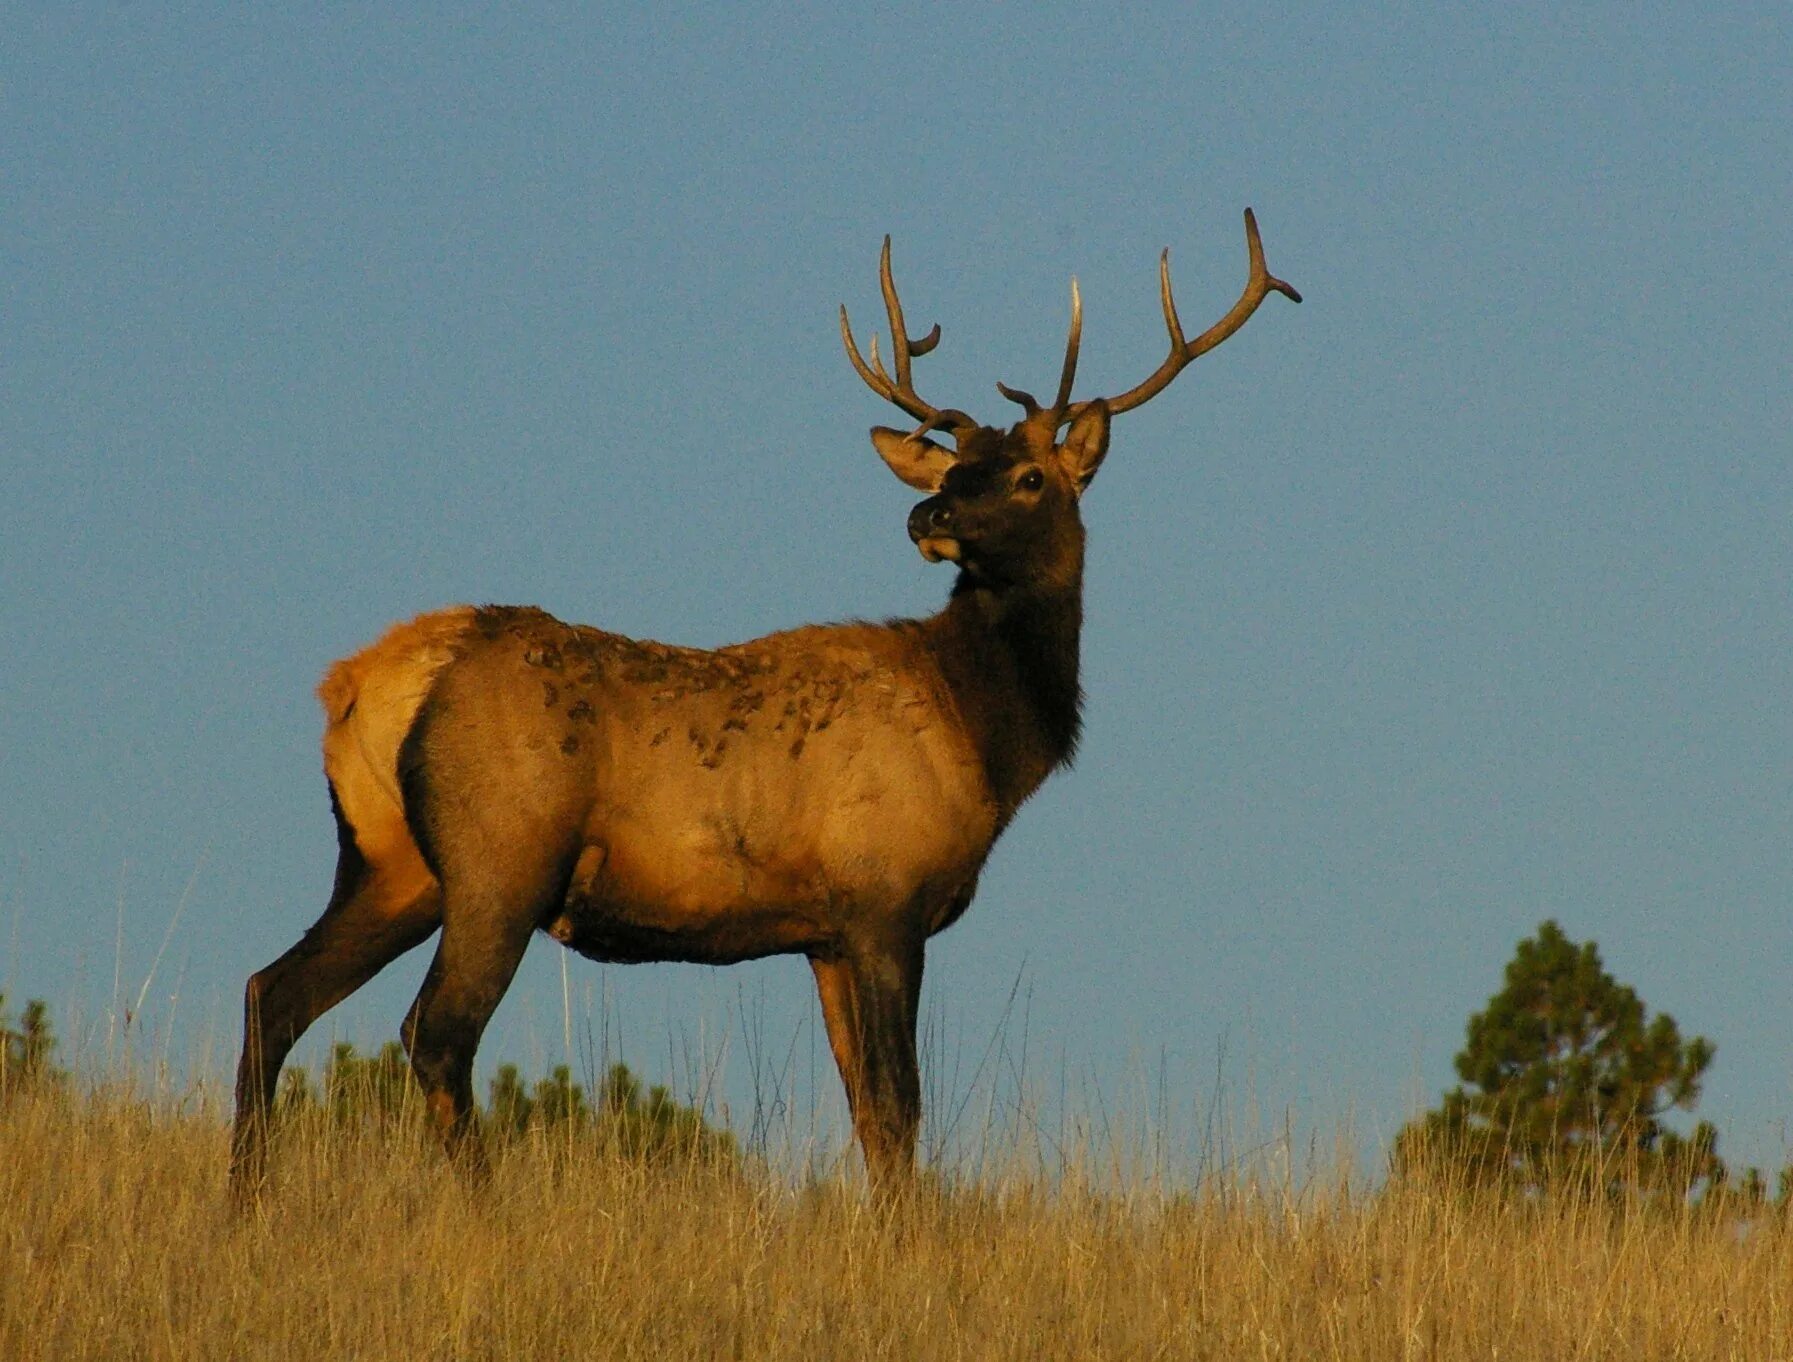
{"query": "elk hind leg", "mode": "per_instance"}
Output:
(488, 916)
(381, 907)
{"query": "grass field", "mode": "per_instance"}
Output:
(116, 1241)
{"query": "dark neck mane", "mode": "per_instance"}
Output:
(1010, 657)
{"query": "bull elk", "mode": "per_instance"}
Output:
(831, 792)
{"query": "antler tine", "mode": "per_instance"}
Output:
(1172, 323)
(899, 390)
(893, 308)
(1072, 343)
(872, 381)
(1259, 284)
(945, 420)
(1029, 403)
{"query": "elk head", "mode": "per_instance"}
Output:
(1002, 504)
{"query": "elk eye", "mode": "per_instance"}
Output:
(1031, 481)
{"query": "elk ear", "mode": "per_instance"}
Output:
(917, 460)
(1086, 443)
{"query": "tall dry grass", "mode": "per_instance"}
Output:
(116, 1242)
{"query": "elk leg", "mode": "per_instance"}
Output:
(375, 915)
(481, 946)
(869, 1000)
(840, 1013)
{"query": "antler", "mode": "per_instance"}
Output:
(900, 390)
(1066, 374)
(1258, 285)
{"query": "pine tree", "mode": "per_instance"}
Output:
(623, 1120)
(656, 1127)
(375, 1088)
(26, 1053)
(509, 1112)
(1566, 1077)
(557, 1100)
(378, 1090)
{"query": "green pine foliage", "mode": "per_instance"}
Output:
(651, 1127)
(375, 1091)
(378, 1092)
(1567, 1078)
(27, 1051)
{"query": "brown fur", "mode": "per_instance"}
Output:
(832, 791)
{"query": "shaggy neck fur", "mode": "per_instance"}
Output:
(1010, 657)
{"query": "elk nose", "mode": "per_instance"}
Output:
(931, 517)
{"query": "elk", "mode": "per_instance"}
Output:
(832, 791)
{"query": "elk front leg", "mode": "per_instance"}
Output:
(869, 998)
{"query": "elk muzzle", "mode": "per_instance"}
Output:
(931, 528)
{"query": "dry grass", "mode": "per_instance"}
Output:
(115, 1242)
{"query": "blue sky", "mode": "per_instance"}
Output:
(1454, 599)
